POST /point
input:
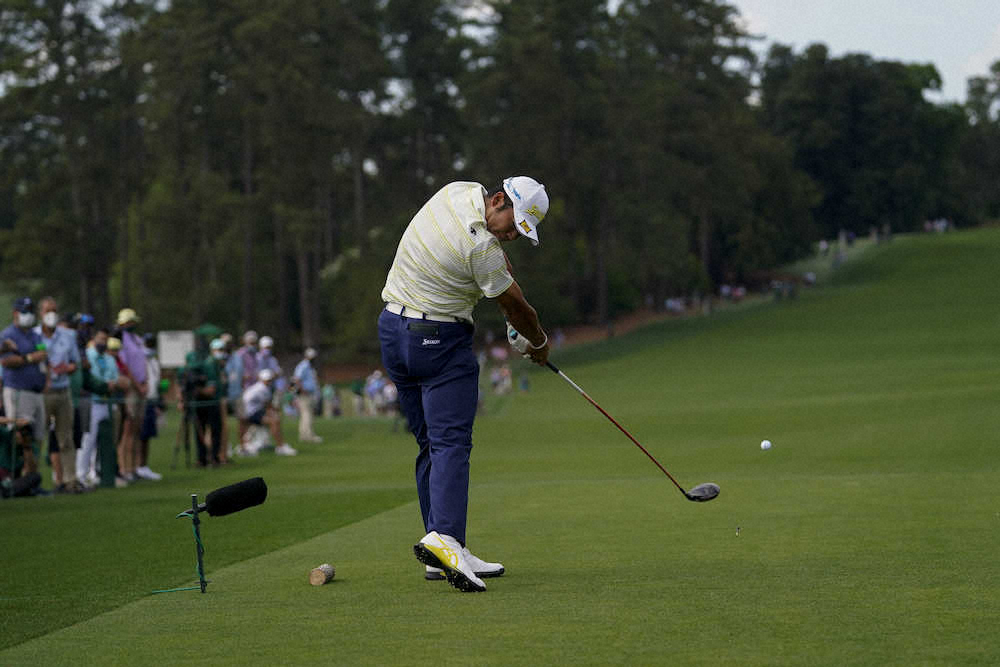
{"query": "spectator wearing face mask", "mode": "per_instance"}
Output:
(217, 348)
(266, 358)
(104, 369)
(204, 379)
(23, 357)
(220, 350)
(63, 359)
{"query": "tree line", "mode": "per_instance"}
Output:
(254, 163)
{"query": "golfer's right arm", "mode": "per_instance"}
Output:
(524, 318)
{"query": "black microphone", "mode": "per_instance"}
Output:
(234, 497)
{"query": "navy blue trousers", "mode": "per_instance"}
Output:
(437, 377)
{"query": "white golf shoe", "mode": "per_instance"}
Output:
(445, 553)
(482, 569)
(286, 450)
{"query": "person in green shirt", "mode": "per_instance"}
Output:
(203, 384)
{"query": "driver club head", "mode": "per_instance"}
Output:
(703, 492)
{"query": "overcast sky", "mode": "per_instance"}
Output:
(960, 37)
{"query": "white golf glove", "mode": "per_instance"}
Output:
(516, 340)
(521, 343)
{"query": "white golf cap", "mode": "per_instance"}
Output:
(266, 341)
(265, 375)
(531, 203)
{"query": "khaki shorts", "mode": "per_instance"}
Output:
(134, 406)
(30, 405)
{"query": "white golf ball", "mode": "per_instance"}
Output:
(765, 444)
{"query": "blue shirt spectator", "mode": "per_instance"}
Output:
(234, 376)
(23, 341)
(305, 374)
(62, 350)
(103, 367)
(266, 359)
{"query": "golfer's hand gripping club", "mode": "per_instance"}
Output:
(523, 345)
(516, 340)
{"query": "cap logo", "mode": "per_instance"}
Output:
(535, 212)
(526, 227)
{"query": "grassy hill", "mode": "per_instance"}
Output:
(867, 535)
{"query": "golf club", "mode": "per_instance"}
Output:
(701, 493)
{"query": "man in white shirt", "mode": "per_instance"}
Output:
(448, 258)
(260, 411)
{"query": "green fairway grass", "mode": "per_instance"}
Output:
(869, 533)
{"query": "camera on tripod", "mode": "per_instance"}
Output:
(192, 381)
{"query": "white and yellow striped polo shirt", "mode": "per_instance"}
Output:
(447, 260)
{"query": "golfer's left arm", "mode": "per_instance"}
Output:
(523, 317)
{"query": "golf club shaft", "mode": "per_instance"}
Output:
(621, 428)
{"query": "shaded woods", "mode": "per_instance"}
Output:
(253, 163)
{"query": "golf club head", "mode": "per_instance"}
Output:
(703, 492)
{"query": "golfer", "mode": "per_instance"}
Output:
(448, 258)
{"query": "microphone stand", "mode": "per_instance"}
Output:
(199, 548)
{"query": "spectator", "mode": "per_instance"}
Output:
(133, 356)
(306, 387)
(152, 410)
(331, 401)
(373, 392)
(63, 359)
(217, 367)
(125, 383)
(104, 369)
(258, 402)
(248, 359)
(247, 366)
(23, 357)
(205, 387)
(234, 390)
(84, 325)
(220, 348)
(358, 396)
(266, 358)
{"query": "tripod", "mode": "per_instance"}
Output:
(184, 432)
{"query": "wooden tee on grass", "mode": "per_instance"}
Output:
(321, 575)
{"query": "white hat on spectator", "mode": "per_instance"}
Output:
(266, 375)
(267, 341)
(310, 353)
(217, 344)
(250, 337)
